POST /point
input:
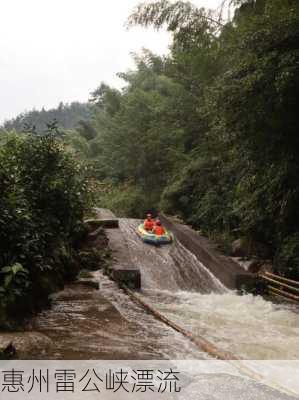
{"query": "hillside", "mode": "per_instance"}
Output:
(66, 115)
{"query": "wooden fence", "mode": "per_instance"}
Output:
(279, 286)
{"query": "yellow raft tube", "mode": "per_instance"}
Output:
(151, 238)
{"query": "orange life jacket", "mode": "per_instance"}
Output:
(159, 230)
(148, 224)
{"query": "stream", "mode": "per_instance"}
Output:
(87, 324)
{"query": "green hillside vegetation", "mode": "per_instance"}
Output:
(209, 132)
(67, 117)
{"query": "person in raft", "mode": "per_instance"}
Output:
(158, 228)
(149, 223)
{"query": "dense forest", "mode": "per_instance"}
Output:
(67, 116)
(208, 133)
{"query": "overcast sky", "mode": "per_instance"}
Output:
(61, 50)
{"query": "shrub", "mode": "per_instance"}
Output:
(126, 200)
(44, 194)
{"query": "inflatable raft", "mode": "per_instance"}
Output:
(151, 238)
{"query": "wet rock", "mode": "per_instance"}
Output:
(223, 268)
(92, 283)
(262, 250)
(23, 344)
(85, 274)
(250, 283)
(252, 265)
(243, 247)
(93, 224)
(122, 268)
(104, 213)
(239, 248)
(94, 235)
(96, 239)
(127, 275)
(248, 265)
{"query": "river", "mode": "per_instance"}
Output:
(179, 286)
(87, 324)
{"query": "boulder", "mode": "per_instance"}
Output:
(240, 248)
(94, 234)
(254, 266)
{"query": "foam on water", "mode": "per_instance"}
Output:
(175, 282)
